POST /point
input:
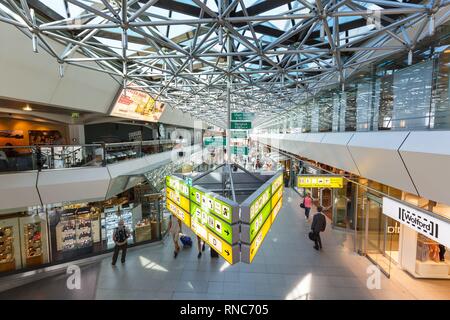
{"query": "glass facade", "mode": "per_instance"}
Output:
(389, 95)
(68, 231)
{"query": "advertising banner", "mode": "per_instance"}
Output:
(137, 105)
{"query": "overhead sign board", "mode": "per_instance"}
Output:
(320, 181)
(212, 204)
(215, 141)
(239, 134)
(229, 233)
(178, 199)
(239, 150)
(243, 125)
(178, 184)
(242, 116)
(228, 252)
(418, 220)
(184, 216)
(259, 203)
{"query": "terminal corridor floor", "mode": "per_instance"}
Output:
(286, 267)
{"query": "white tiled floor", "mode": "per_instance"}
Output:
(287, 267)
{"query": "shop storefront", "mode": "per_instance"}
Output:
(397, 230)
(63, 232)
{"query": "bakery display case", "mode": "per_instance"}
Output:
(143, 231)
(33, 244)
(7, 259)
(34, 239)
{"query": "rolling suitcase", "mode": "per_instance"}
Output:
(186, 241)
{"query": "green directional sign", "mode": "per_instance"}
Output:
(212, 222)
(258, 222)
(239, 134)
(214, 141)
(211, 204)
(243, 125)
(242, 116)
(239, 150)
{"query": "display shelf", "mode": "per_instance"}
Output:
(112, 217)
(33, 240)
(6, 248)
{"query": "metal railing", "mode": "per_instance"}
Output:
(42, 157)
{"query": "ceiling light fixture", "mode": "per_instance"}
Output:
(27, 108)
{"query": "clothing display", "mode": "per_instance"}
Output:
(428, 249)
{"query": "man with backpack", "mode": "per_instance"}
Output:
(318, 225)
(120, 237)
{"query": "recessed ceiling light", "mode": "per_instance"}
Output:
(27, 108)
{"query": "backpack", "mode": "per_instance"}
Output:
(120, 235)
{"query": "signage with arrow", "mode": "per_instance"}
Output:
(216, 225)
(229, 253)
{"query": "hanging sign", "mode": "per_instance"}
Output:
(211, 204)
(239, 150)
(240, 116)
(177, 184)
(229, 253)
(325, 181)
(243, 125)
(184, 216)
(239, 134)
(229, 233)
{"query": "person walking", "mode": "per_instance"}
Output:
(175, 229)
(307, 203)
(318, 225)
(200, 247)
(120, 237)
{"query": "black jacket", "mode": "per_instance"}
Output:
(319, 223)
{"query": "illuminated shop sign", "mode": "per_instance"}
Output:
(418, 220)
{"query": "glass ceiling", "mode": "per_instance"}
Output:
(270, 54)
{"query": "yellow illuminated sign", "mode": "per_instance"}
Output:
(276, 196)
(184, 216)
(277, 183)
(177, 198)
(320, 182)
(254, 247)
(276, 209)
(222, 248)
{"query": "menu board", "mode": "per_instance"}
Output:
(138, 105)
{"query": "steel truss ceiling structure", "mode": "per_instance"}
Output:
(270, 54)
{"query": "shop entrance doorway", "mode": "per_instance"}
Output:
(381, 235)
